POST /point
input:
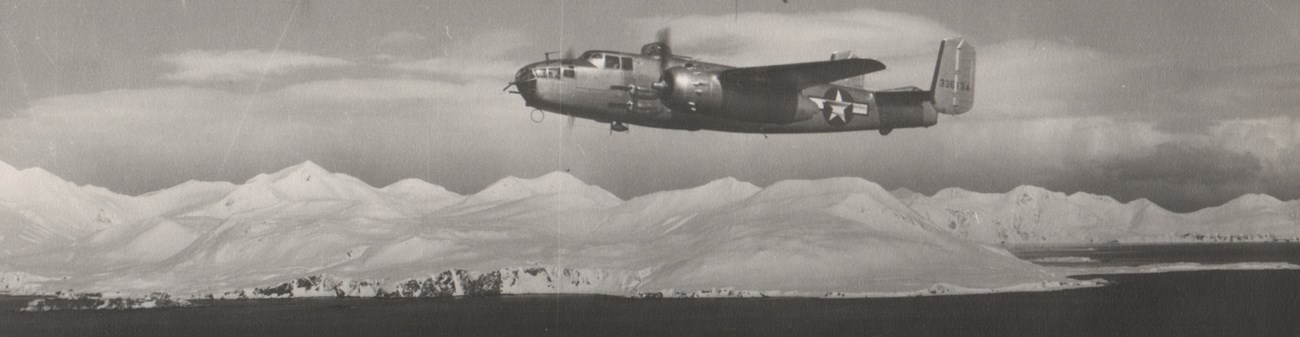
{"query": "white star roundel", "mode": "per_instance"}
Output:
(838, 107)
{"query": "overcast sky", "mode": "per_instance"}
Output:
(1186, 103)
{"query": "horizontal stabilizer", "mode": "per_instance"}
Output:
(859, 81)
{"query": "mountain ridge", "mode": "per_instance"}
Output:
(305, 220)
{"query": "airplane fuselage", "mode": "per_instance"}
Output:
(618, 87)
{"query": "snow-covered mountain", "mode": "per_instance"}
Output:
(39, 210)
(418, 197)
(809, 237)
(555, 233)
(1030, 214)
(554, 183)
(306, 183)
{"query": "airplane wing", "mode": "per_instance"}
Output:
(800, 75)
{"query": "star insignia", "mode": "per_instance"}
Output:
(836, 109)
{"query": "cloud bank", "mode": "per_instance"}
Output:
(241, 65)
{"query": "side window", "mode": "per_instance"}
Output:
(627, 63)
(568, 73)
(611, 62)
(553, 72)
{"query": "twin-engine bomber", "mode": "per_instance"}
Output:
(658, 89)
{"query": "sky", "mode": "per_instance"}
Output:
(1186, 103)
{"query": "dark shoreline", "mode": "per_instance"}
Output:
(1175, 303)
(1189, 303)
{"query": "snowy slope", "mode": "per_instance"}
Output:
(842, 234)
(417, 197)
(183, 198)
(512, 188)
(40, 211)
(1249, 217)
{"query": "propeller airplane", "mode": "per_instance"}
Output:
(655, 88)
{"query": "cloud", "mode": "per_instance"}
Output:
(478, 56)
(355, 90)
(1030, 79)
(1274, 140)
(460, 67)
(1181, 163)
(241, 65)
(1232, 91)
(405, 43)
(136, 140)
(1131, 159)
(1183, 176)
(400, 38)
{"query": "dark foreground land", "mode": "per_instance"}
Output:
(1202, 303)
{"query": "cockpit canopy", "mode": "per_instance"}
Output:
(593, 56)
(524, 74)
(607, 60)
(654, 49)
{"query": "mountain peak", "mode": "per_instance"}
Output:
(558, 178)
(951, 192)
(304, 170)
(1253, 200)
(712, 194)
(731, 183)
(417, 187)
(515, 188)
(304, 174)
(786, 189)
(302, 182)
(905, 195)
(1030, 189)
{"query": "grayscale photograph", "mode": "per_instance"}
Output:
(649, 168)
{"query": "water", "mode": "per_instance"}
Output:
(1136, 255)
(1201, 303)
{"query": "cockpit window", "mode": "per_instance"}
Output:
(524, 75)
(611, 63)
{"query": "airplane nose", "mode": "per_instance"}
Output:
(526, 83)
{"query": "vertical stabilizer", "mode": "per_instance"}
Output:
(954, 77)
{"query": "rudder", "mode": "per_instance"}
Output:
(953, 87)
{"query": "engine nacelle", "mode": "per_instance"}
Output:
(694, 90)
(689, 89)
